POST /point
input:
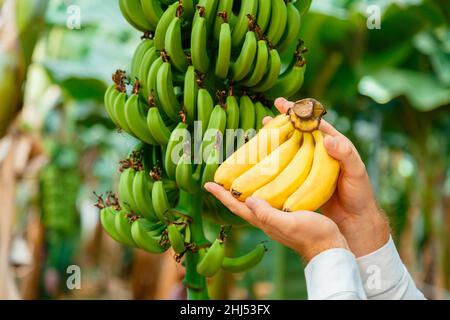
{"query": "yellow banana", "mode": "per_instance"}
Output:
(321, 182)
(291, 178)
(269, 137)
(266, 170)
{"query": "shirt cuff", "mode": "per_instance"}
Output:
(333, 274)
(381, 270)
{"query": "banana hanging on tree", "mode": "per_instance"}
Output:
(133, 13)
(211, 263)
(243, 64)
(147, 236)
(271, 77)
(152, 11)
(165, 89)
(245, 262)
(292, 31)
(174, 44)
(138, 55)
(190, 94)
(278, 22)
(199, 37)
(291, 81)
(136, 117)
(163, 25)
(248, 7)
(224, 51)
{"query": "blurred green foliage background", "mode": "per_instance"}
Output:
(386, 88)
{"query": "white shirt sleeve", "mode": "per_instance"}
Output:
(334, 275)
(385, 277)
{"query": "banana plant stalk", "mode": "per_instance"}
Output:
(191, 205)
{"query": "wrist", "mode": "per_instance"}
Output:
(366, 232)
(335, 241)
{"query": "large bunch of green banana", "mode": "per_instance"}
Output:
(294, 173)
(200, 83)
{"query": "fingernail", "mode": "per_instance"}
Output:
(331, 143)
(208, 186)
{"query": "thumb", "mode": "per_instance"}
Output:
(343, 150)
(266, 215)
(283, 105)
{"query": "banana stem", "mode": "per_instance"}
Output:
(191, 205)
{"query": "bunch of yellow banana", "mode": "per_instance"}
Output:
(293, 170)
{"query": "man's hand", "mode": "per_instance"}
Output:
(308, 233)
(353, 206)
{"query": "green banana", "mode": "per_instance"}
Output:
(232, 109)
(150, 90)
(178, 138)
(208, 9)
(277, 22)
(161, 202)
(176, 239)
(199, 52)
(123, 228)
(205, 106)
(110, 95)
(224, 52)
(215, 130)
(248, 7)
(163, 25)
(144, 236)
(152, 11)
(158, 129)
(224, 6)
(260, 114)
(107, 219)
(126, 190)
(135, 12)
(147, 60)
(166, 93)
(260, 65)
(131, 19)
(213, 259)
(303, 6)
(142, 196)
(290, 82)
(292, 31)
(119, 111)
(247, 119)
(212, 163)
(245, 262)
(264, 14)
(184, 175)
(138, 55)
(173, 43)
(136, 117)
(271, 77)
(243, 64)
(190, 94)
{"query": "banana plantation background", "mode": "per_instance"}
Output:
(387, 89)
